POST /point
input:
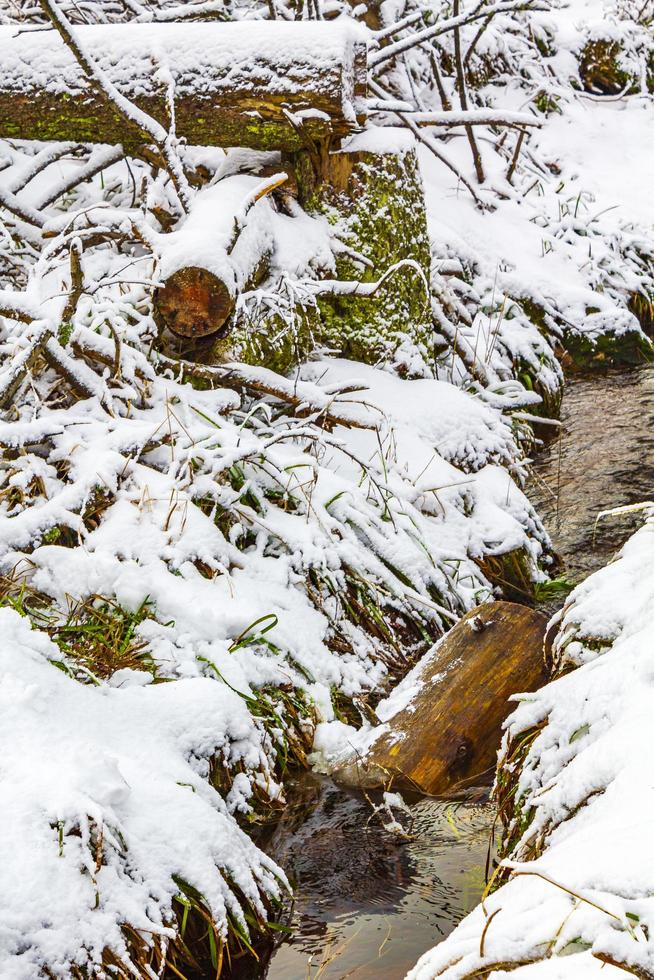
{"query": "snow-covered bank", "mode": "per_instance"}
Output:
(270, 580)
(575, 789)
(213, 563)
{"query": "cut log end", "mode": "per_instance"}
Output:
(193, 303)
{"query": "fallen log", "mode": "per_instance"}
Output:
(445, 740)
(221, 249)
(270, 86)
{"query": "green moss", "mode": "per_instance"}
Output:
(631, 347)
(600, 70)
(89, 119)
(380, 214)
(376, 205)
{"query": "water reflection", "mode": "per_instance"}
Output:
(368, 902)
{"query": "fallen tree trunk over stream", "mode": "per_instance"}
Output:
(262, 85)
(445, 740)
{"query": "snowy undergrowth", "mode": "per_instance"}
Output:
(574, 786)
(562, 260)
(277, 560)
(107, 787)
(277, 564)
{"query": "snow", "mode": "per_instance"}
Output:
(203, 59)
(259, 535)
(102, 790)
(585, 785)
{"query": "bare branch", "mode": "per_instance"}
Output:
(516, 154)
(16, 306)
(76, 283)
(399, 25)
(463, 98)
(479, 11)
(467, 117)
(475, 41)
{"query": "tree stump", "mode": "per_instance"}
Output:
(372, 193)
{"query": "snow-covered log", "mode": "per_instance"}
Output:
(441, 727)
(267, 86)
(221, 248)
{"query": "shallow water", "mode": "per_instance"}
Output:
(603, 458)
(369, 902)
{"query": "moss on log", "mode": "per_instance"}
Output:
(234, 84)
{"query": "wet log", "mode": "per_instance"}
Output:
(445, 741)
(269, 86)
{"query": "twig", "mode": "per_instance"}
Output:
(475, 41)
(12, 204)
(444, 26)
(516, 154)
(76, 284)
(39, 162)
(463, 98)
(302, 395)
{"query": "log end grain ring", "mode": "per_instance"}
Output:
(193, 303)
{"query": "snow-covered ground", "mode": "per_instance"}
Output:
(279, 561)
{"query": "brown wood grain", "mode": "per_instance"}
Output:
(446, 739)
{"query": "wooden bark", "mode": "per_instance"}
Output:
(234, 84)
(194, 303)
(446, 740)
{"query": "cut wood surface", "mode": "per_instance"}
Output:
(446, 739)
(262, 85)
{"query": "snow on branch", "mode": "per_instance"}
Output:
(467, 117)
(478, 12)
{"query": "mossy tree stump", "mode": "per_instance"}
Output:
(375, 200)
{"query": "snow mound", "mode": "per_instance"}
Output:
(106, 807)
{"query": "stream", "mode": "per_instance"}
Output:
(603, 458)
(369, 902)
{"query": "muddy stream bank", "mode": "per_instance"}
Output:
(368, 902)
